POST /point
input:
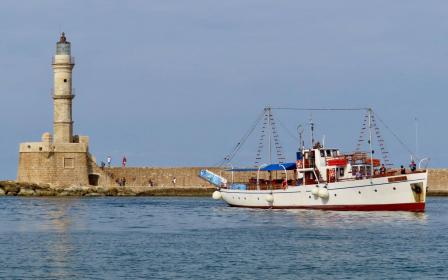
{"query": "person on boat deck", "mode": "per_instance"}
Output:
(284, 184)
(403, 170)
(383, 169)
(358, 175)
(413, 166)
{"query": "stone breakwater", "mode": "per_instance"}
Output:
(12, 188)
(438, 182)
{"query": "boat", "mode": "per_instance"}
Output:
(327, 179)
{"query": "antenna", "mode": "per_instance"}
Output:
(416, 138)
(301, 142)
(312, 130)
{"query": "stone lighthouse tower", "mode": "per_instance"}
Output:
(62, 159)
(63, 64)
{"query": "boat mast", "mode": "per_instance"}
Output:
(270, 134)
(370, 144)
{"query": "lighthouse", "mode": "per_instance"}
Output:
(63, 64)
(61, 158)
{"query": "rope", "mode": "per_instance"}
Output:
(292, 135)
(238, 146)
(395, 136)
(319, 109)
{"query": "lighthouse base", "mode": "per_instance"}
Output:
(55, 163)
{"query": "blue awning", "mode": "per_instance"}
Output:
(270, 167)
(279, 166)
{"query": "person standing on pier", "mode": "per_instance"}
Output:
(174, 181)
(123, 163)
(109, 160)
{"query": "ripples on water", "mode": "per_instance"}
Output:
(198, 238)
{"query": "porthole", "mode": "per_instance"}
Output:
(376, 190)
(359, 192)
(258, 198)
(335, 195)
(65, 80)
(310, 196)
(394, 188)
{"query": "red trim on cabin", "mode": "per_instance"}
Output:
(337, 162)
(412, 207)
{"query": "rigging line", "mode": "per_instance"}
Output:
(288, 131)
(319, 109)
(396, 137)
(238, 146)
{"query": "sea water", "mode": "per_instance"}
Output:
(199, 238)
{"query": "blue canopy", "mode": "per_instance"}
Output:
(279, 166)
(270, 167)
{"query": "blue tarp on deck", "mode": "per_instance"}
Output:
(212, 178)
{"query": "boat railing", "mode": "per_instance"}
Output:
(263, 184)
(277, 184)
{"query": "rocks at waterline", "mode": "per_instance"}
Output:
(13, 188)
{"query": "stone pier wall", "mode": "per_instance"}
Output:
(438, 181)
(185, 176)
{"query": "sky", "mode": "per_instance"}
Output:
(178, 83)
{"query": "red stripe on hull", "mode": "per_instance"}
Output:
(412, 207)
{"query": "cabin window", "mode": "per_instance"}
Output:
(322, 153)
(341, 172)
(328, 153)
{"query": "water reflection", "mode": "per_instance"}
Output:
(349, 219)
(55, 214)
(57, 220)
(321, 219)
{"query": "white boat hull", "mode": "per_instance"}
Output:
(377, 194)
